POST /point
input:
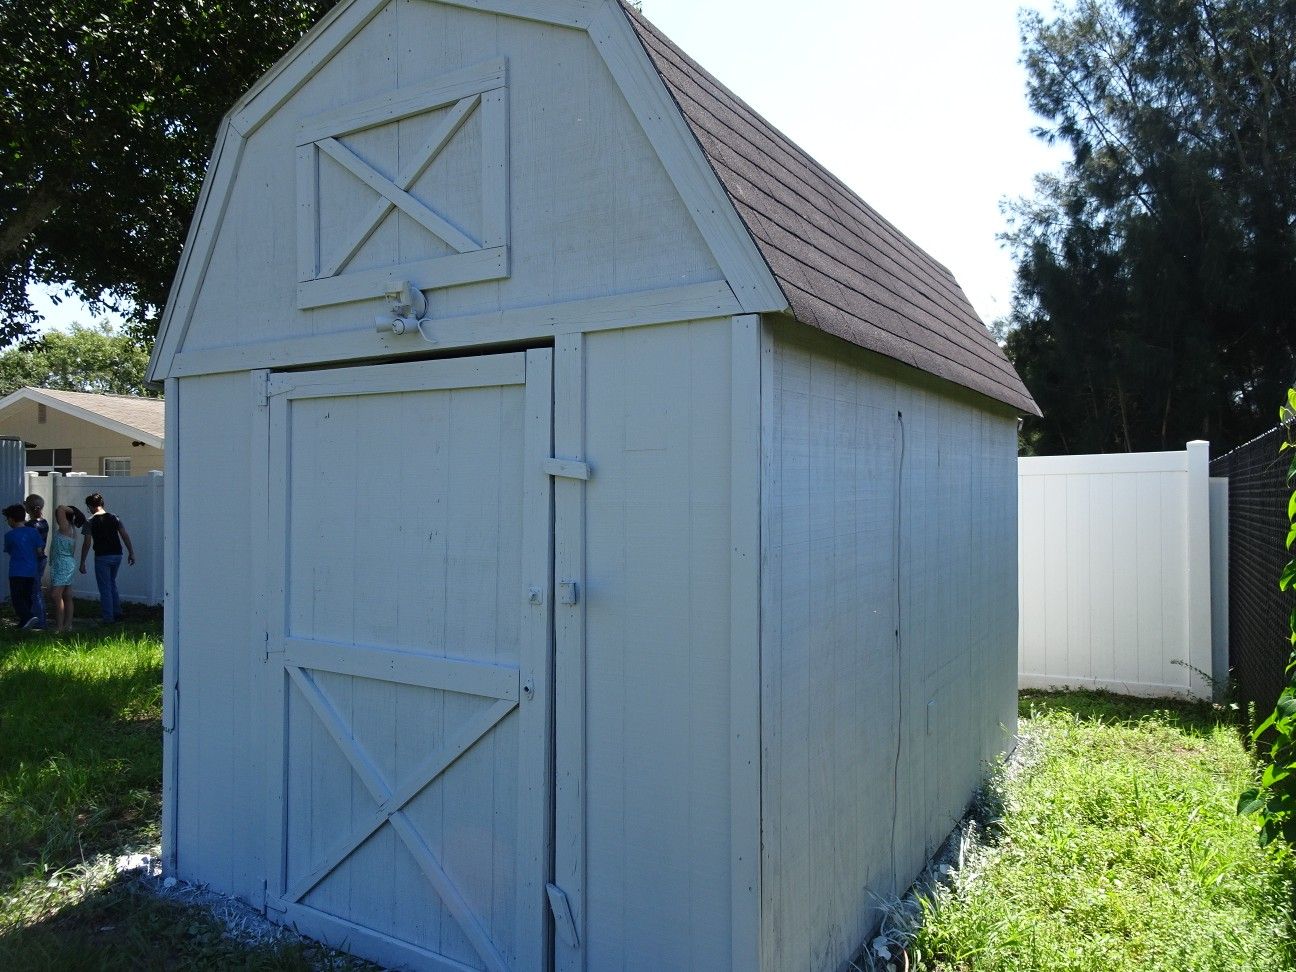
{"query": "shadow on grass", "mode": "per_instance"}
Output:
(1191, 718)
(80, 745)
(123, 926)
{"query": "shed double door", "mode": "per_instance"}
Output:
(408, 642)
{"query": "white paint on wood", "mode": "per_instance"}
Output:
(560, 13)
(334, 31)
(696, 301)
(200, 246)
(882, 534)
(677, 147)
(570, 694)
(746, 346)
(462, 88)
(587, 229)
(657, 603)
(415, 729)
(221, 719)
(535, 778)
(1115, 584)
(170, 630)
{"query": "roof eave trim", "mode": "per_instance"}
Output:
(680, 153)
(76, 411)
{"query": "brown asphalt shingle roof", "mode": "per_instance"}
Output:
(145, 414)
(842, 267)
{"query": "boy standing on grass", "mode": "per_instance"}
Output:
(21, 544)
(35, 505)
(107, 535)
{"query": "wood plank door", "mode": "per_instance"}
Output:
(410, 564)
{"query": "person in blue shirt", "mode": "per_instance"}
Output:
(22, 543)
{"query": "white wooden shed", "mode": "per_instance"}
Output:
(592, 528)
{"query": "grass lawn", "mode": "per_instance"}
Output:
(1118, 849)
(80, 782)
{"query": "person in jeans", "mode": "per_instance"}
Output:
(21, 544)
(35, 504)
(106, 533)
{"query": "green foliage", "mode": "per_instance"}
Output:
(80, 782)
(1273, 800)
(89, 359)
(1117, 850)
(1156, 275)
(109, 114)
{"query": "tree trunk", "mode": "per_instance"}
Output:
(31, 215)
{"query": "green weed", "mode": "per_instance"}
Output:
(1119, 849)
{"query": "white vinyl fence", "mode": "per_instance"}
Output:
(138, 501)
(1115, 569)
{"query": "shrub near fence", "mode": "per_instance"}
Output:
(1258, 611)
(138, 501)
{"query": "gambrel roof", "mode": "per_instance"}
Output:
(787, 235)
(843, 268)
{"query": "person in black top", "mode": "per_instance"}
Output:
(106, 533)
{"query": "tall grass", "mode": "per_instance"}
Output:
(80, 746)
(80, 782)
(1119, 849)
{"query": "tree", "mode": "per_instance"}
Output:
(88, 359)
(109, 114)
(1156, 283)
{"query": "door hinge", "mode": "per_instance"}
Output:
(568, 592)
(261, 387)
(567, 468)
(564, 923)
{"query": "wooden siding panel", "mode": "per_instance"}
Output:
(839, 696)
(220, 719)
(657, 609)
(591, 211)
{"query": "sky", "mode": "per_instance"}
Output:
(919, 106)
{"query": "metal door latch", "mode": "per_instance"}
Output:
(568, 592)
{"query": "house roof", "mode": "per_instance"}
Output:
(842, 267)
(139, 418)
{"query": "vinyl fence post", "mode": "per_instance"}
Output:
(1199, 569)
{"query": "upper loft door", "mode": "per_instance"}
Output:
(409, 647)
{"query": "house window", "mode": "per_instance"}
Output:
(116, 466)
(46, 461)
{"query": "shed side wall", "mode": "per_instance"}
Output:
(657, 614)
(851, 490)
(220, 749)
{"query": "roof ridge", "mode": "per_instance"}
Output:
(70, 391)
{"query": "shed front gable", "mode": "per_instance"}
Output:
(496, 153)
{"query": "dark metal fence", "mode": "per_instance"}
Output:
(1258, 612)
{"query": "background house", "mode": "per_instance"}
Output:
(78, 432)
